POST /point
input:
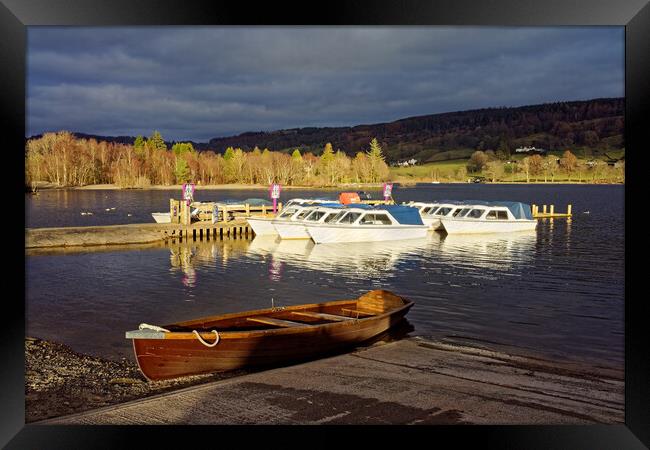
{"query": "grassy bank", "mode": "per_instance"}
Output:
(455, 170)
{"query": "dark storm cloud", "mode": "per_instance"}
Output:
(201, 82)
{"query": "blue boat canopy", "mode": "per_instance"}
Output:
(518, 209)
(405, 215)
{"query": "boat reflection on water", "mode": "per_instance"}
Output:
(347, 259)
(495, 251)
(187, 256)
(362, 259)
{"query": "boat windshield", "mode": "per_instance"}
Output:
(375, 219)
(475, 213)
(304, 214)
(335, 217)
(349, 217)
(497, 215)
(461, 212)
(433, 210)
(443, 211)
(287, 213)
(315, 216)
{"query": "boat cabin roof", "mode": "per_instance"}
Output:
(403, 215)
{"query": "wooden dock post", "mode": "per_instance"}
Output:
(552, 209)
(225, 213)
(279, 206)
(544, 209)
(568, 210)
(174, 210)
(248, 209)
(185, 213)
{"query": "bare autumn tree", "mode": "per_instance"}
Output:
(536, 165)
(551, 167)
(569, 163)
(525, 167)
(494, 169)
(477, 161)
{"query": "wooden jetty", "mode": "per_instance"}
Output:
(550, 213)
(140, 233)
(228, 222)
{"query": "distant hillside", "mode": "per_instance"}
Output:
(595, 124)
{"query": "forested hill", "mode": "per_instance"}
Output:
(591, 127)
(596, 125)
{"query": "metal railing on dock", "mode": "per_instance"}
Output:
(550, 213)
(180, 211)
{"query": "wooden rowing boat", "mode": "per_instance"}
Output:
(263, 337)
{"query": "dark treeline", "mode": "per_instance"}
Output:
(597, 124)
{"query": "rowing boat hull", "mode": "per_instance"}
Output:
(169, 357)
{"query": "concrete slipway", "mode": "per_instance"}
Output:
(411, 381)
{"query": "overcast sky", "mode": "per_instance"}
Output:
(195, 83)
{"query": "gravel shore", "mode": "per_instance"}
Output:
(60, 381)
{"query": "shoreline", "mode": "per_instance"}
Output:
(60, 381)
(63, 386)
(235, 186)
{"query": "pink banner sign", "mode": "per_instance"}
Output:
(388, 190)
(188, 192)
(274, 190)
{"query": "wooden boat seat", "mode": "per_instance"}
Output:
(276, 322)
(317, 315)
(353, 312)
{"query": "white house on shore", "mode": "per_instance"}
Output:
(531, 150)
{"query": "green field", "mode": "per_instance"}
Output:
(451, 170)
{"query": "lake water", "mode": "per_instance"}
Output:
(556, 292)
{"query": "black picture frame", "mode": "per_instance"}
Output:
(634, 15)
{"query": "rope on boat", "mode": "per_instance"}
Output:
(198, 336)
(146, 326)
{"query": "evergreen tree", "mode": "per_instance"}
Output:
(328, 154)
(375, 153)
(138, 146)
(156, 141)
(230, 152)
(296, 156)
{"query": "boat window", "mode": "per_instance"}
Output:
(502, 215)
(375, 219)
(433, 210)
(335, 217)
(350, 217)
(492, 215)
(476, 213)
(461, 212)
(443, 211)
(315, 216)
(304, 214)
(426, 210)
(287, 213)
